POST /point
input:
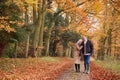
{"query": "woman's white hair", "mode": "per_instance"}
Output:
(79, 41)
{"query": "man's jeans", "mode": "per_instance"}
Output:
(86, 59)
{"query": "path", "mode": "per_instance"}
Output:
(72, 75)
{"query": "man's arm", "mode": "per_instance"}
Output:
(92, 47)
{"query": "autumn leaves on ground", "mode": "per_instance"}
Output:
(35, 69)
(100, 73)
(46, 68)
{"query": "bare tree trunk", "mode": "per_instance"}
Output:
(27, 47)
(35, 18)
(37, 31)
(12, 1)
(109, 42)
(28, 33)
(70, 50)
(48, 39)
(101, 52)
(2, 46)
(16, 47)
(34, 13)
(40, 44)
(48, 42)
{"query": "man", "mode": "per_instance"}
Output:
(87, 51)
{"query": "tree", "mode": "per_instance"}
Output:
(10, 22)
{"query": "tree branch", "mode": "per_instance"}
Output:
(112, 2)
(72, 7)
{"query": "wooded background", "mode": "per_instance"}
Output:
(34, 28)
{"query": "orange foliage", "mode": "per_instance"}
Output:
(5, 24)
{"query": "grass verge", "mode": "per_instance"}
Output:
(7, 64)
(113, 65)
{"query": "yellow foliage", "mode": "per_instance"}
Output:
(31, 1)
(28, 1)
(97, 6)
(5, 24)
(65, 4)
(6, 28)
(49, 10)
(94, 6)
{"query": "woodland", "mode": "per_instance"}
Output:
(47, 28)
(38, 28)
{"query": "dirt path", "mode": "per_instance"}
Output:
(72, 75)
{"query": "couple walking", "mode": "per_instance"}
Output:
(83, 47)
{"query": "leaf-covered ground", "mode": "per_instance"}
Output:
(100, 73)
(97, 73)
(72, 75)
(47, 68)
(50, 68)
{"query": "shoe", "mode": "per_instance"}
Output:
(88, 72)
(85, 67)
(78, 71)
(78, 67)
(85, 71)
(88, 69)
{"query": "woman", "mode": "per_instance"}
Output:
(77, 53)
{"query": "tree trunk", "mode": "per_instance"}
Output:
(16, 47)
(2, 46)
(48, 39)
(69, 51)
(28, 33)
(27, 45)
(40, 44)
(48, 42)
(35, 22)
(101, 52)
(34, 13)
(109, 42)
(37, 31)
(12, 1)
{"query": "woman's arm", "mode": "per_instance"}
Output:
(78, 47)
